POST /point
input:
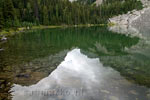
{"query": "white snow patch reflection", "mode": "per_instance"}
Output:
(78, 78)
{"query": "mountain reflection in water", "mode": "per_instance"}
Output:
(81, 78)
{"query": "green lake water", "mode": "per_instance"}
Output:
(86, 63)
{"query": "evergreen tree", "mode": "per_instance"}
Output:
(14, 13)
(9, 13)
(36, 10)
(1, 20)
(1, 15)
(45, 16)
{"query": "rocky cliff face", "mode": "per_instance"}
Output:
(131, 16)
(145, 2)
(143, 23)
(135, 22)
(127, 19)
(99, 2)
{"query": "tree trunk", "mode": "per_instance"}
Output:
(36, 10)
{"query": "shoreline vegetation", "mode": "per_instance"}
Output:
(39, 13)
(11, 31)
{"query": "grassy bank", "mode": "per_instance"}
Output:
(12, 31)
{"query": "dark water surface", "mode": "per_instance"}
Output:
(88, 63)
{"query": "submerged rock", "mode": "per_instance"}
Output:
(2, 81)
(3, 38)
(5, 86)
(113, 98)
(133, 92)
(148, 96)
(105, 91)
(23, 76)
(1, 49)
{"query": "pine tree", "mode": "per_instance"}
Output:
(9, 13)
(36, 10)
(1, 20)
(45, 16)
(1, 15)
(14, 12)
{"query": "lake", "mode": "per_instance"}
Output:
(85, 63)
